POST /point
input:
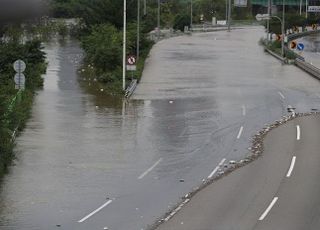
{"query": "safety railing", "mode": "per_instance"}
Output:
(131, 88)
(309, 68)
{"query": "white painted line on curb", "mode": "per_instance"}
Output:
(150, 169)
(269, 208)
(216, 168)
(95, 211)
(243, 110)
(293, 161)
(281, 95)
(240, 132)
(292, 110)
(176, 210)
(298, 132)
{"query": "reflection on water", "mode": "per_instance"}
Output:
(74, 134)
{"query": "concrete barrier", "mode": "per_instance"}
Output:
(275, 54)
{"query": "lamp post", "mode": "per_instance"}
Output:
(282, 31)
(260, 17)
(124, 44)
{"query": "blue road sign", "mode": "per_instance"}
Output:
(300, 46)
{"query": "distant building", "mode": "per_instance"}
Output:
(259, 6)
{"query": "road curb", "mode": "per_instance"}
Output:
(256, 150)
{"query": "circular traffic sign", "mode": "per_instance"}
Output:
(300, 46)
(19, 66)
(131, 60)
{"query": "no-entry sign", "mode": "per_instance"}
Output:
(131, 63)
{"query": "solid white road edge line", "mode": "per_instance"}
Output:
(95, 211)
(216, 168)
(240, 132)
(243, 110)
(281, 95)
(269, 208)
(293, 161)
(150, 169)
(298, 132)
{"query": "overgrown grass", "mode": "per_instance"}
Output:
(275, 46)
(15, 105)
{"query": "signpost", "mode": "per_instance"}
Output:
(260, 17)
(19, 78)
(240, 3)
(300, 47)
(293, 45)
(313, 9)
(131, 63)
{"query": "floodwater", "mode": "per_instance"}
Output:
(90, 161)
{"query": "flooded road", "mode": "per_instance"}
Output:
(89, 161)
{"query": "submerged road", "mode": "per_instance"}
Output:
(90, 161)
(280, 190)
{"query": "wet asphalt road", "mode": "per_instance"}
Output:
(311, 52)
(88, 161)
(279, 190)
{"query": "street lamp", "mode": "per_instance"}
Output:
(267, 17)
(282, 31)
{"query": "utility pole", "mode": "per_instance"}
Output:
(158, 24)
(145, 7)
(191, 14)
(306, 8)
(138, 29)
(226, 10)
(124, 44)
(282, 27)
(268, 21)
(229, 15)
(300, 9)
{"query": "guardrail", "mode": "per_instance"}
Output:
(309, 68)
(131, 88)
(302, 34)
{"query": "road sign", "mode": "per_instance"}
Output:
(300, 47)
(314, 26)
(131, 63)
(313, 8)
(293, 45)
(19, 79)
(240, 3)
(131, 60)
(260, 17)
(19, 66)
